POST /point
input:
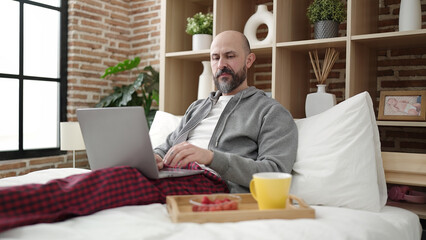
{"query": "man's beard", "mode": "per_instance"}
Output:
(228, 84)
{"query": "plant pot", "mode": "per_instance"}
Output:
(201, 41)
(319, 101)
(326, 29)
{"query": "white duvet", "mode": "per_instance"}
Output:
(153, 222)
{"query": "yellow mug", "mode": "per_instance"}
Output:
(270, 189)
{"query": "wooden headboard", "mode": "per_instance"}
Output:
(405, 168)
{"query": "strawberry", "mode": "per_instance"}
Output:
(205, 200)
(195, 208)
(234, 205)
(227, 206)
(204, 208)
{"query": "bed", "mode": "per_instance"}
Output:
(338, 172)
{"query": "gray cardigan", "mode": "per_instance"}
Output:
(254, 134)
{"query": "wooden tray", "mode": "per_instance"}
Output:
(180, 210)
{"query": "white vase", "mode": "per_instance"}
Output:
(319, 101)
(262, 16)
(205, 81)
(410, 15)
(201, 41)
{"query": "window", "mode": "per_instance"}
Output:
(33, 62)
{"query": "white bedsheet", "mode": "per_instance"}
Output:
(152, 222)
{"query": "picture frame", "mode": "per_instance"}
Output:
(402, 105)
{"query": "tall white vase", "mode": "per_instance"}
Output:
(410, 15)
(205, 81)
(319, 101)
(261, 16)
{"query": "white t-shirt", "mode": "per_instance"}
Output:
(200, 136)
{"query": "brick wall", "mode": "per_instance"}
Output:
(102, 33)
(401, 69)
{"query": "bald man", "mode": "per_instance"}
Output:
(238, 130)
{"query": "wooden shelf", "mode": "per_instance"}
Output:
(405, 168)
(262, 51)
(393, 40)
(306, 45)
(401, 123)
(419, 209)
(200, 55)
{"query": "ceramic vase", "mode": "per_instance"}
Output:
(205, 81)
(201, 41)
(319, 101)
(261, 16)
(410, 15)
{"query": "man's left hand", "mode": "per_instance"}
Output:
(184, 153)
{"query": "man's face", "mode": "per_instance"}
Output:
(227, 80)
(227, 60)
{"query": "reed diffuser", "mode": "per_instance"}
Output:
(321, 73)
(320, 101)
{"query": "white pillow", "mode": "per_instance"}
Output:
(339, 160)
(164, 123)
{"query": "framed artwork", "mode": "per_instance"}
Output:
(402, 105)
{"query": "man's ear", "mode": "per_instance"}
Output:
(250, 59)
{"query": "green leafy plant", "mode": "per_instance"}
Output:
(321, 10)
(200, 24)
(141, 92)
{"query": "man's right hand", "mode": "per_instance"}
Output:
(160, 163)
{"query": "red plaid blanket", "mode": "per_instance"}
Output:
(84, 194)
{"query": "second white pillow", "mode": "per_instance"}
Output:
(338, 158)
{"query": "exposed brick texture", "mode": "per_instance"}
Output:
(101, 33)
(400, 69)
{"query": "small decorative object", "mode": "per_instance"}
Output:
(326, 15)
(320, 101)
(402, 105)
(71, 138)
(262, 16)
(205, 81)
(201, 28)
(410, 15)
(142, 92)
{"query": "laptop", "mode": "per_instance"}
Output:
(120, 137)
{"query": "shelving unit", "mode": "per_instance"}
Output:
(180, 67)
(401, 123)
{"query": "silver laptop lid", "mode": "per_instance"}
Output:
(117, 137)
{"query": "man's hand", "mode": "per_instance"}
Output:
(184, 153)
(160, 163)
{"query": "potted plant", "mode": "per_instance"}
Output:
(326, 15)
(200, 26)
(141, 92)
